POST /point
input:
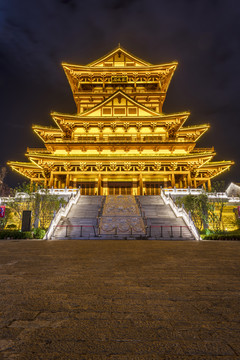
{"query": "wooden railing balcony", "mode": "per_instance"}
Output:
(38, 150)
(145, 138)
(200, 150)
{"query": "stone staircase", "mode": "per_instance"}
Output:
(161, 220)
(82, 219)
(81, 222)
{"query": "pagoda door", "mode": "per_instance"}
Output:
(120, 188)
(153, 188)
(87, 188)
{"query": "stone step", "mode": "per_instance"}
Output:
(158, 213)
(85, 212)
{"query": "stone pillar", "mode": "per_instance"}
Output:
(51, 180)
(99, 186)
(209, 185)
(55, 182)
(105, 187)
(67, 180)
(140, 184)
(173, 180)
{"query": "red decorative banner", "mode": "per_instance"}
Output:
(2, 211)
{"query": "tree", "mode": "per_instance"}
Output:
(46, 205)
(217, 205)
(3, 221)
(206, 211)
(43, 205)
(5, 190)
(197, 205)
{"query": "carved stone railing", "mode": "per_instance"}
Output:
(187, 191)
(191, 191)
(53, 191)
(63, 211)
(180, 212)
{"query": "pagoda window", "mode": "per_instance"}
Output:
(86, 87)
(132, 111)
(108, 64)
(129, 63)
(87, 138)
(107, 111)
(119, 111)
(119, 138)
(153, 138)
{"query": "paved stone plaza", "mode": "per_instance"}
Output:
(119, 300)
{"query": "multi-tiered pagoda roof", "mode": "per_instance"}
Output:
(120, 141)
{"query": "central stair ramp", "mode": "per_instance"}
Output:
(161, 221)
(82, 220)
(121, 218)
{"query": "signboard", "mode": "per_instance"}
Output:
(119, 79)
(26, 220)
(2, 211)
(238, 210)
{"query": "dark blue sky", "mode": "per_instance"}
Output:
(203, 36)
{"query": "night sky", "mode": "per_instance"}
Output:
(203, 36)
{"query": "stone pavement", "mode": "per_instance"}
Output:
(135, 300)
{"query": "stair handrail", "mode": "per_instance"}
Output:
(100, 211)
(63, 211)
(181, 212)
(142, 213)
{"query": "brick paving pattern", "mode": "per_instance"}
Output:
(70, 299)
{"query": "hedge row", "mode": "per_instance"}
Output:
(17, 234)
(221, 237)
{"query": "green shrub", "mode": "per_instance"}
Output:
(27, 235)
(221, 237)
(39, 233)
(15, 234)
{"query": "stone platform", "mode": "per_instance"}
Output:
(128, 300)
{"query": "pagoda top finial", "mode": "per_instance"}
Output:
(119, 45)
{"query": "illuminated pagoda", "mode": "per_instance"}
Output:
(120, 141)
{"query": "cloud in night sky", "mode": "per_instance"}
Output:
(36, 36)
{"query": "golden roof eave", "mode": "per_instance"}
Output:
(213, 169)
(202, 129)
(219, 163)
(80, 117)
(160, 67)
(71, 157)
(39, 131)
(195, 127)
(115, 51)
(19, 163)
(25, 169)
